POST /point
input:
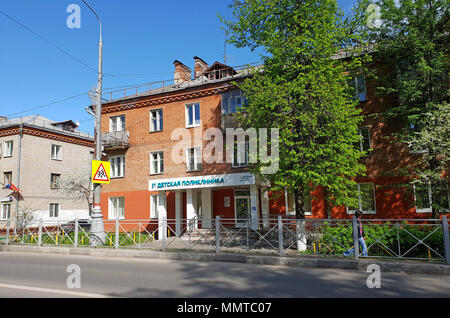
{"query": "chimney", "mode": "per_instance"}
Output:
(182, 73)
(200, 66)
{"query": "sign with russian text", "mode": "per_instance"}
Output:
(210, 181)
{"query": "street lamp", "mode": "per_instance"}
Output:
(98, 235)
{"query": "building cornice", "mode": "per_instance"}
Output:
(157, 99)
(42, 133)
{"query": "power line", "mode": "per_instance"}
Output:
(48, 104)
(48, 41)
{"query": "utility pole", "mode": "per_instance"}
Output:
(98, 235)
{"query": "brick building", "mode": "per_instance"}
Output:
(35, 153)
(139, 125)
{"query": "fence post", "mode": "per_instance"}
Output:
(446, 239)
(280, 236)
(116, 240)
(163, 233)
(75, 238)
(40, 233)
(217, 234)
(355, 238)
(8, 225)
(139, 238)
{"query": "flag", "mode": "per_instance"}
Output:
(12, 187)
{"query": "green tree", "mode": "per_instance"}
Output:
(412, 42)
(310, 51)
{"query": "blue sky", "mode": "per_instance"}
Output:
(140, 36)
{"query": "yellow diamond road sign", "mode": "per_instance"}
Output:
(100, 171)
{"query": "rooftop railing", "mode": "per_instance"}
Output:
(162, 86)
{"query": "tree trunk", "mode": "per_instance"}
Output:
(299, 202)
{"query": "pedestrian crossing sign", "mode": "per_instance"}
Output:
(100, 171)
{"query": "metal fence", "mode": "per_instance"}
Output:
(424, 239)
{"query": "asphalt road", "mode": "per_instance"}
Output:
(45, 275)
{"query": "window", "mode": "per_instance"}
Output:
(54, 210)
(194, 159)
(240, 154)
(156, 162)
(232, 102)
(117, 123)
(6, 211)
(117, 166)
(7, 178)
(423, 197)
(116, 208)
(56, 152)
(55, 181)
(366, 199)
(192, 115)
(290, 203)
(154, 206)
(364, 142)
(358, 85)
(8, 148)
(156, 120)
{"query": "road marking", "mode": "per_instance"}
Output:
(54, 291)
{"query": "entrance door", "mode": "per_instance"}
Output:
(242, 207)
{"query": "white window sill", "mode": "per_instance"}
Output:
(428, 210)
(293, 213)
(156, 173)
(193, 126)
(364, 212)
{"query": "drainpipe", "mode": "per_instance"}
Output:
(19, 157)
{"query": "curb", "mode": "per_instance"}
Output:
(301, 262)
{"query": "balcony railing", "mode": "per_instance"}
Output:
(115, 140)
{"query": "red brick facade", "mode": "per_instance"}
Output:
(386, 158)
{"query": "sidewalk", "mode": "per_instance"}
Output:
(405, 266)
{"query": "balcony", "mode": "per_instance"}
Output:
(230, 121)
(116, 140)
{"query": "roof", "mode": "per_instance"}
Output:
(217, 65)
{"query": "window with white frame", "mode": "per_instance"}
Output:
(116, 208)
(194, 159)
(117, 123)
(154, 206)
(117, 166)
(56, 152)
(366, 199)
(8, 145)
(364, 142)
(240, 154)
(192, 115)
(6, 211)
(290, 203)
(54, 210)
(156, 120)
(156, 162)
(424, 195)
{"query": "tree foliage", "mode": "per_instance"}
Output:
(412, 42)
(310, 51)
